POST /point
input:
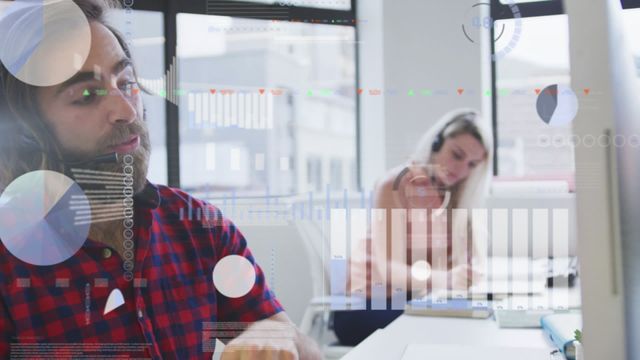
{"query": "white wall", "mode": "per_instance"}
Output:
(409, 44)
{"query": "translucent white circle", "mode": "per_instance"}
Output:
(44, 42)
(607, 140)
(591, 142)
(615, 140)
(575, 140)
(420, 270)
(558, 141)
(557, 105)
(234, 276)
(544, 140)
(40, 222)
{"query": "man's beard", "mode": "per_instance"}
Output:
(138, 160)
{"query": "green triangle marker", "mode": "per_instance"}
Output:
(310, 93)
(86, 93)
(411, 93)
(487, 93)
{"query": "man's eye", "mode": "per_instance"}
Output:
(88, 96)
(457, 155)
(129, 88)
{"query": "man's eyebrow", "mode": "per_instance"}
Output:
(75, 79)
(92, 75)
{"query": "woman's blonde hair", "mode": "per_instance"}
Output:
(469, 193)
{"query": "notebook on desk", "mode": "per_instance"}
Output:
(462, 308)
(468, 352)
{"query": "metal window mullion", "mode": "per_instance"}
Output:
(172, 113)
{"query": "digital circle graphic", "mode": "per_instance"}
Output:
(43, 42)
(557, 105)
(420, 270)
(503, 42)
(234, 276)
(415, 189)
(38, 220)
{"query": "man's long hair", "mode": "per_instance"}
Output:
(26, 141)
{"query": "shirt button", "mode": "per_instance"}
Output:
(106, 253)
(140, 314)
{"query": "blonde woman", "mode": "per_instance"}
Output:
(448, 170)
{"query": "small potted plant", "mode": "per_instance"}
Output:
(578, 345)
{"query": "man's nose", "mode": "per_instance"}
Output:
(120, 108)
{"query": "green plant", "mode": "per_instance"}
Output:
(578, 335)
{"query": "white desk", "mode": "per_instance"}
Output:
(391, 342)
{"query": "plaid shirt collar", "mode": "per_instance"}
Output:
(149, 197)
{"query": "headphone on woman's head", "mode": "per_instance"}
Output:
(439, 140)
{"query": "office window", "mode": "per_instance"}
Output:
(530, 144)
(144, 31)
(314, 173)
(336, 172)
(257, 98)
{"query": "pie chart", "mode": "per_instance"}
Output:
(557, 105)
(43, 42)
(37, 219)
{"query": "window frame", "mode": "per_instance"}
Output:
(500, 11)
(170, 10)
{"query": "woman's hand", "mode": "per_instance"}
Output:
(461, 278)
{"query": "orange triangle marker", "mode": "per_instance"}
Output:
(261, 91)
(537, 91)
(212, 91)
(360, 91)
(460, 91)
(586, 91)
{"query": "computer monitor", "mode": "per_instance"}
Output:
(607, 171)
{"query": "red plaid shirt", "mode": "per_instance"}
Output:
(169, 306)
